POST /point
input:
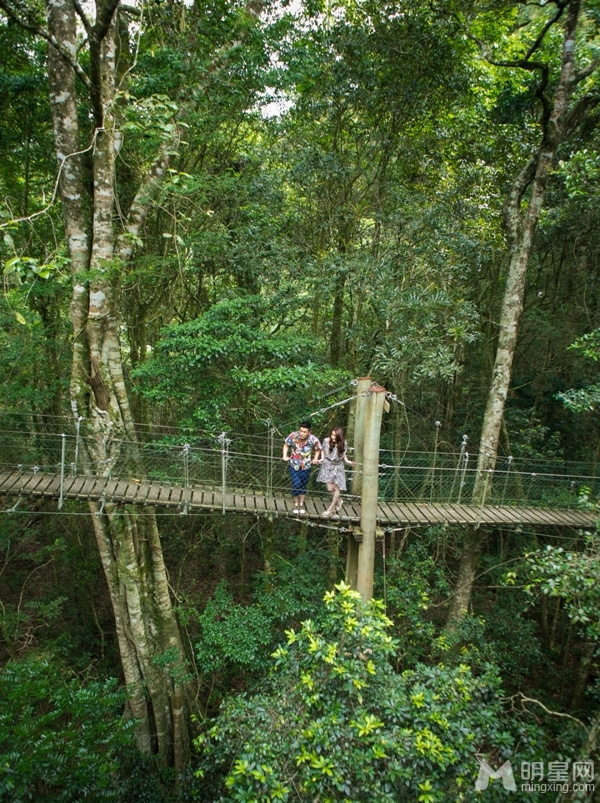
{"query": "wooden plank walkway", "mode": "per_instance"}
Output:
(196, 498)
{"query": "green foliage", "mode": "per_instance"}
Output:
(60, 739)
(337, 723)
(588, 398)
(232, 636)
(219, 367)
(413, 581)
(572, 576)
(235, 640)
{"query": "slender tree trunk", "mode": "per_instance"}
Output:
(337, 345)
(521, 221)
(582, 674)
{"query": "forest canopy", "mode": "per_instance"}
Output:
(216, 217)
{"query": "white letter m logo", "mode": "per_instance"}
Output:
(486, 772)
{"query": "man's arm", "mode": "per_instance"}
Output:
(285, 451)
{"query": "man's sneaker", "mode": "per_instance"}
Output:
(296, 510)
(302, 511)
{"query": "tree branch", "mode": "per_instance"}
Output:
(578, 113)
(104, 20)
(133, 12)
(585, 72)
(34, 27)
(525, 699)
(81, 14)
(510, 212)
(545, 29)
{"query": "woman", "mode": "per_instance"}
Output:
(334, 455)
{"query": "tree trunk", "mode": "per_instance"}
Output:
(521, 221)
(149, 642)
(336, 349)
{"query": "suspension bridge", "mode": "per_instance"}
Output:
(239, 473)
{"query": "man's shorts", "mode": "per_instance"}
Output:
(299, 480)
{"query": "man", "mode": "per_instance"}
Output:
(298, 449)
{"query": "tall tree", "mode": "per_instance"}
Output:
(564, 104)
(129, 543)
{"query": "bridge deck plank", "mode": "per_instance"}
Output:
(86, 487)
(450, 516)
(197, 498)
(541, 516)
(230, 502)
(385, 514)
(153, 493)
(211, 499)
(239, 502)
(131, 491)
(349, 513)
(508, 515)
(26, 482)
(414, 514)
(280, 506)
(176, 495)
(164, 494)
(357, 508)
(74, 487)
(35, 484)
(217, 500)
(68, 485)
(172, 495)
(261, 505)
(313, 508)
(488, 515)
(142, 497)
(460, 514)
(8, 480)
(112, 489)
(250, 503)
(186, 499)
(50, 490)
(574, 518)
(401, 514)
(421, 514)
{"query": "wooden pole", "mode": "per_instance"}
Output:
(370, 490)
(360, 407)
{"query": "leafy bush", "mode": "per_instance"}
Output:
(336, 723)
(236, 640)
(412, 580)
(60, 740)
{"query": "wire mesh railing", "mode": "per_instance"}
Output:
(230, 463)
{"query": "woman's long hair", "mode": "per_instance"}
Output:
(340, 441)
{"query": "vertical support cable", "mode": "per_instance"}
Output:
(270, 456)
(77, 435)
(62, 469)
(438, 424)
(186, 464)
(510, 459)
(463, 448)
(224, 441)
(462, 476)
(488, 476)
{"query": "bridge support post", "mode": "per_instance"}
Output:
(370, 488)
(359, 440)
(62, 470)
